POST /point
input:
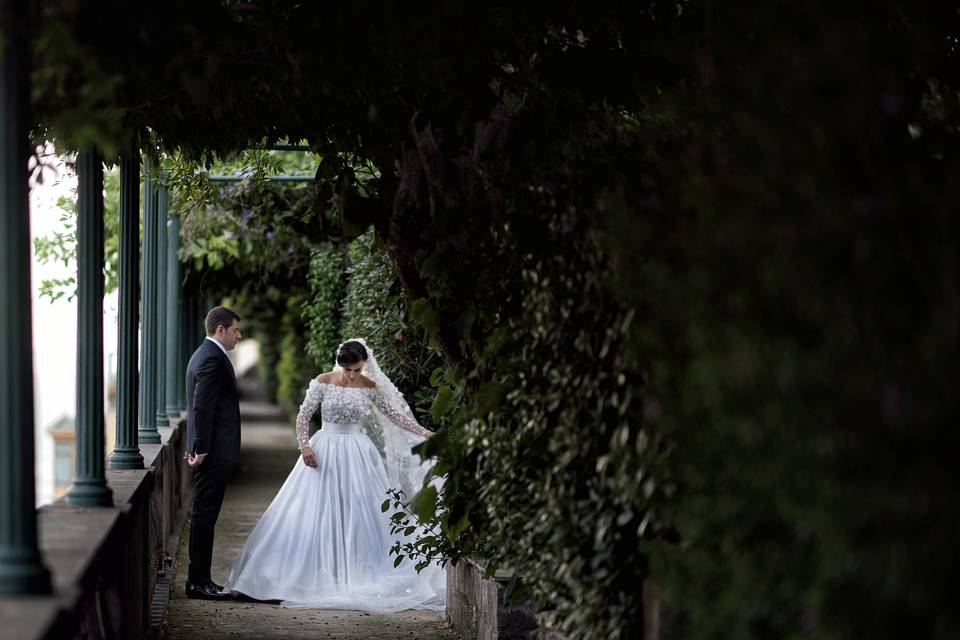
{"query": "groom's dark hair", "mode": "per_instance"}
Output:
(220, 316)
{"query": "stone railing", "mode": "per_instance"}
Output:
(110, 565)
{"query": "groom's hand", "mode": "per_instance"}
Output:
(194, 460)
(309, 458)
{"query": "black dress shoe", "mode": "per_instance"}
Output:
(216, 586)
(206, 592)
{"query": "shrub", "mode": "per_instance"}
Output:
(321, 310)
(375, 309)
(295, 368)
(550, 469)
(796, 303)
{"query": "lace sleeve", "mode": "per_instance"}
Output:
(396, 416)
(309, 407)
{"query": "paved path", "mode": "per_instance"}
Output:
(269, 451)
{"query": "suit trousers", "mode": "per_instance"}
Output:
(210, 483)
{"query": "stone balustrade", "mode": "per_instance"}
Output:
(109, 564)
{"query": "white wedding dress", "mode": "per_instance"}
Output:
(323, 542)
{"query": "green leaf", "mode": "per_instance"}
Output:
(425, 315)
(442, 403)
(454, 532)
(490, 396)
(511, 587)
(424, 504)
(385, 505)
(396, 563)
(465, 320)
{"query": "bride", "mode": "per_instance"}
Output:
(323, 542)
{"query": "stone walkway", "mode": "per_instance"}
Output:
(269, 451)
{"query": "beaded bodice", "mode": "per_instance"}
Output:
(346, 406)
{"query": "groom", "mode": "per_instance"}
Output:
(213, 441)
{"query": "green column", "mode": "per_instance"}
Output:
(126, 454)
(197, 329)
(21, 568)
(174, 305)
(185, 348)
(89, 487)
(163, 346)
(189, 315)
(147, 432)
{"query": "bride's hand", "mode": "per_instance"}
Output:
(309, 458)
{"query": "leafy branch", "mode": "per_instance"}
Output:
(420, 517)
(61, 245)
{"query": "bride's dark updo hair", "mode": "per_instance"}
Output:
(351, 352)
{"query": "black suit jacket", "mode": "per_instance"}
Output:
(213, 406)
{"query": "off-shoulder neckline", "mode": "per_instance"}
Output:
(340, 386)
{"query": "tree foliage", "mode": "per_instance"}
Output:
(60, 247)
